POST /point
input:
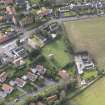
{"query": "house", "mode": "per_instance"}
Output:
(11, 14)
(2, 19)
(63, 74)
(16, 52)
(7, 88)
(3, 77)
(6, 36)
(3, 37)
(20, 51)
(83, 62)
(18, 62)
(43, 36)
(44, 12)
(7, 1)
(36, 41)
(31, 76)
(10, 10)
(39, 69)
(27, 20)
(53, 26)
(20, 82)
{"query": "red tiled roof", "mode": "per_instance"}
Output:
(40, 68)
(63, 74)
(10, 10)
(7, 88)
(19, 82)
(31, 76)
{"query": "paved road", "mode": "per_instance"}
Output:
(4, 47)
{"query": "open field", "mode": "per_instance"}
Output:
(61, 58)
(89, 35)
(94, 95)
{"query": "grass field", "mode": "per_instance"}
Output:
(89, 35)
(61, 58)
(94, 95)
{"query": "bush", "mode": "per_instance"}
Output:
(34, 54)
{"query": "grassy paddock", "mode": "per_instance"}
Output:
(94, 95)
(88, 34)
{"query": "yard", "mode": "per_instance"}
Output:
(89, 74)
(94, 95)
(89, 35)
(29, 88)
(71, 13)
(36, 41)
(57, 49)
(14, 95)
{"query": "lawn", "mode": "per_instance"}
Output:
(35, 40)
(66, 13)
(7, 29)
(29, 88)
(57, 48)
(14, 95)
(11, 72)
(71, 13)
(89, 35)
(89, 74)
(94, 95)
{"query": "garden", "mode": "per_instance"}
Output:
(56, 53)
